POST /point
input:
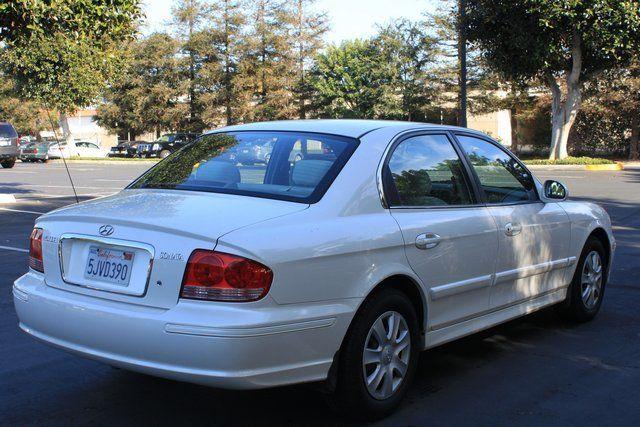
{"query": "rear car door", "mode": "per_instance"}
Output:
(450, 240)
(534, 236)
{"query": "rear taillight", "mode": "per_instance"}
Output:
(217, 276)
(35, 250)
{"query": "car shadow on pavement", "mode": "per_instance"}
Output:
(13, 188)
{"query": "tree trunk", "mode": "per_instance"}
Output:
(64, 124)
(515, 147)
(635, 134)
(564, 112)
(462, 61)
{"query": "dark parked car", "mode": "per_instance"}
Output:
(125, 149)
(8, 145)
(165, 145)
(35, 152)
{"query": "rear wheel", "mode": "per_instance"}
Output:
(8, 164)
(378, 357)
(586, 291)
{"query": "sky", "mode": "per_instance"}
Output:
(348, 19)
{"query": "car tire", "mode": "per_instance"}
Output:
(8, 164)
(164, 154)
(585, 294)
(371, 402)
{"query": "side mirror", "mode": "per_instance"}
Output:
(555, 190)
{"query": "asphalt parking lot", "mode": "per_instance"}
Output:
(538, 370)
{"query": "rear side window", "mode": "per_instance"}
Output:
(280, 165)
(502, 178)
(426, 171)
(7, 131)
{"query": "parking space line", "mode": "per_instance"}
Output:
(10, 248)
(22, 211)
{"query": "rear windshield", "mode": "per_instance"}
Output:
(7, 131)
(291, 166)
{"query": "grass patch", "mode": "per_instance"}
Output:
(570, 161)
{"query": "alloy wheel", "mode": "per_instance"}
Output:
(591, 281)
(385, 358)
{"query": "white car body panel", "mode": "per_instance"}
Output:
(326, 259)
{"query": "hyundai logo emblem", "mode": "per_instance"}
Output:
(106, 230)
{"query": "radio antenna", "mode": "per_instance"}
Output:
(55, 136)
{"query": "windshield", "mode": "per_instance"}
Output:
(7, 131)
(280, 165)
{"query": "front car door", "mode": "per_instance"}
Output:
(450, 240)
(534, 236)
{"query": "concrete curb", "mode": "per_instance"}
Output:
(611, 167)
(7, 198)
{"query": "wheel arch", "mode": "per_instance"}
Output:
(407, 285)
(601, 234)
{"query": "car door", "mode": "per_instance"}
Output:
(92, 150)
(534, 236)
(450, 240)
(79, 149)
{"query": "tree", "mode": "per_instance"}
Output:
(267, 67)
(355, 80)
(26, 116)
(308, 29)
(189, 16)
(459, 74)
(411, 56)
(62, 54)
(222, 50)
(560, 42)
(148, 96)
(610, 117)
(462, 62)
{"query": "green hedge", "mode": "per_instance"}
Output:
(570, 161)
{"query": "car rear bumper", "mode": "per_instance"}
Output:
(9, 152)
(222, 345)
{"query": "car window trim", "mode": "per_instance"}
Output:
(397, 140)
(476, 179)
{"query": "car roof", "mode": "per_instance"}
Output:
(347, 127)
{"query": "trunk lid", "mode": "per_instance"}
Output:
(155, 230)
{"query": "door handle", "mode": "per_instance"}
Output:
(427, 240)
(512, 229)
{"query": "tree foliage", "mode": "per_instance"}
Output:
(560, 42)
(62, 53)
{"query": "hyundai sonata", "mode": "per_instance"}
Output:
(339, 264)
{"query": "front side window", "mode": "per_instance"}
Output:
(501, 177)
(281, 165)
(426, 171)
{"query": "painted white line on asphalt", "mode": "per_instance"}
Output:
(9, 248)
(22, 211)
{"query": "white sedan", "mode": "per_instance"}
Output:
(75, 149)
(338, 265)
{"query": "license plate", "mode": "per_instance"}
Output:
(109, 265)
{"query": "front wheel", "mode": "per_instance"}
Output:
(378, 357)
(586, 291)
(8, 164)
(164, 154)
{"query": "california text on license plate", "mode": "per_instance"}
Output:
(109, 265)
